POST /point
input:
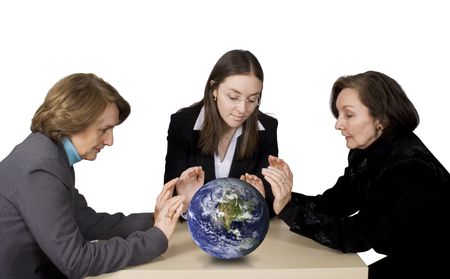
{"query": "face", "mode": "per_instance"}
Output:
(354, 121)
(237, 98)
(93, 138)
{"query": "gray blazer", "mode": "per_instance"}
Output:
(46, 227)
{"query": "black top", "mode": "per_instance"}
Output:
(183, 152)
(394, 197)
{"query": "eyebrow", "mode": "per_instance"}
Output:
(108, 126)
(236, 91)
(348, 106)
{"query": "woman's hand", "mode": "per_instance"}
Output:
(166, 193)
(190, 181)
(281, 165)
(255, 182)
(167, 209)
(280, 178)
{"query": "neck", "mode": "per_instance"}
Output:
(229, 133)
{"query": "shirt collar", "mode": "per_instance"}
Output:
(71, 151)
(201, 118)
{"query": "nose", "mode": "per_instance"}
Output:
(242, 106)
(339, 125)
(108, 138)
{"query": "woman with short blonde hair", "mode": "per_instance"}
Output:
(73, 103)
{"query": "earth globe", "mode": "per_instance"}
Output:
(228, 218)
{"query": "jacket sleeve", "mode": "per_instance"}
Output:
(327, 218)
(394, 217)
(269, 147)
(47, 206)
(178, 148)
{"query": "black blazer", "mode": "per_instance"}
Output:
(182, 150)
(394, 197)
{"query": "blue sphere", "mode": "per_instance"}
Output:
(228, 218)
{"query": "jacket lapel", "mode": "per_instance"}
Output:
(238, 167)
(207, 163)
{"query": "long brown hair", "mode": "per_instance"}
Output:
(384, 98)
(234, 62)
(73, 103)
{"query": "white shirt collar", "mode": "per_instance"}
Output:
(201, 119)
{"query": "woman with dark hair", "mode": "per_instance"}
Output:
(224, 134)
(394, 195)
(47, 230)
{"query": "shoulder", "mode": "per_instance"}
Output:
(36, 146)
(269, 122)
(410, 154)
(186, 116)
(408, 147)
(36, 152)
(182, 123)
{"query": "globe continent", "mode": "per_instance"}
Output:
(228, 218)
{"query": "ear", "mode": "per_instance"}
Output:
(378, 125)
(215, 93)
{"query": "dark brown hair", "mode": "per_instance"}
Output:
(384, 98)
(234, 62)
(73, 103)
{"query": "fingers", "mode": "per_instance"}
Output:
(277, 174)
(287, 171)
(178, 212)
(281, 187)
(190, 181)
(167, 190)
(168, 217)
(164, 196)
(255, 181)
(187, 173)
(277, 179)
(192, 175)
(276, 188)
(170, 185)
(281, 165)
(272, 160)
(275, 161)
(249, 178)
(190, 172)
(172, 207)
(201, 175)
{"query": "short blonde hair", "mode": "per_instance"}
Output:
(73, 103)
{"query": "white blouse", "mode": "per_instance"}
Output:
(223, 167)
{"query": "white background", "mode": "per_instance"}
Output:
(158, 54)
